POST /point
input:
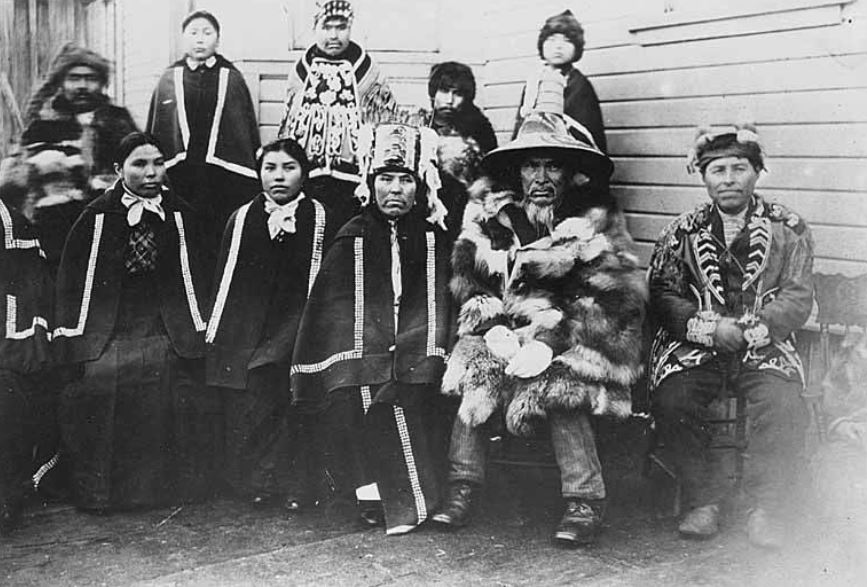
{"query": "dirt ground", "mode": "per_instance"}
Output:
(229, 543)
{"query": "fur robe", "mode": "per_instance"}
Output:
(577, 290)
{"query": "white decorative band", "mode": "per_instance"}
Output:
(189, 288)
(358, 332)
(78, 330)
(12, 332)
(308, 368)
(181, 107)
(318, 243)
(228, 273)
(9, 239)
(409, 458)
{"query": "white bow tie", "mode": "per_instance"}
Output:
(136, 205)
(281, 218)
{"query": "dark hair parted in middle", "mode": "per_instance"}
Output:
(131, 142)
(288, 146)
(201, 14)
(567, 25)
(451, 74)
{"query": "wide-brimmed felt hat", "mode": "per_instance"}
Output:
(546, 129)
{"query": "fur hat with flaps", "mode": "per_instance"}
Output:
(741, 140)
(546, 130)
(567, 25)
(399, 146)
(69, 56)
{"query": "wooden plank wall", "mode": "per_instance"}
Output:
(797, 69)
(32, 31)
(407, 72)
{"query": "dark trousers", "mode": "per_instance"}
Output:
(776, 420)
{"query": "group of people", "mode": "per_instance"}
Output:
(354, 309)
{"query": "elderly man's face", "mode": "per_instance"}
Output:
(543, 179)
(332, 36)
(730, 183)
(81, 86)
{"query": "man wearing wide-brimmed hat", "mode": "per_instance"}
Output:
(730, 283)
(551, 311)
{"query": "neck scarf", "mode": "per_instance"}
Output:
(281, 217)
(136, 206)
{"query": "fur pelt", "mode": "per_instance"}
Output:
(578, 290)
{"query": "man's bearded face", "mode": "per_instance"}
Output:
(448, 100)
(543, 179)
(82, 85)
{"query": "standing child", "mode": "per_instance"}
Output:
(202, 114)
(561, 46)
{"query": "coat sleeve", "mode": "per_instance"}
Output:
(478, 273)
(293, 87)
(793, 302)
(671, 302)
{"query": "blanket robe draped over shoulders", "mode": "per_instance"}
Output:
(349, 353)
(136, 423)
(262, 286)
(26, 406)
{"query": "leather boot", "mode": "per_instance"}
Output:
(700, 523)
(458, 505)
(764, 530)
(581, 522)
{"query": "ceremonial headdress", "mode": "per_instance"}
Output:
(398, 146)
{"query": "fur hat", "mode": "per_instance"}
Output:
(333, 9)
(69, 56)
(451, 74)
(566, 24)
(740, 141)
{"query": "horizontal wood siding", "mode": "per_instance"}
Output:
(799, 71)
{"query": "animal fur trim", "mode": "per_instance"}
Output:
(474, 373)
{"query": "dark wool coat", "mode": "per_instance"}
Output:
(248, 328)
(25, 295)
(578, 290)
(766, 272)
(92, 270)
(234, 133)
(347, 337)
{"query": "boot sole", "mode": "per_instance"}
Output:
(448, 521)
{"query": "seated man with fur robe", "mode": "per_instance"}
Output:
(551, 311)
